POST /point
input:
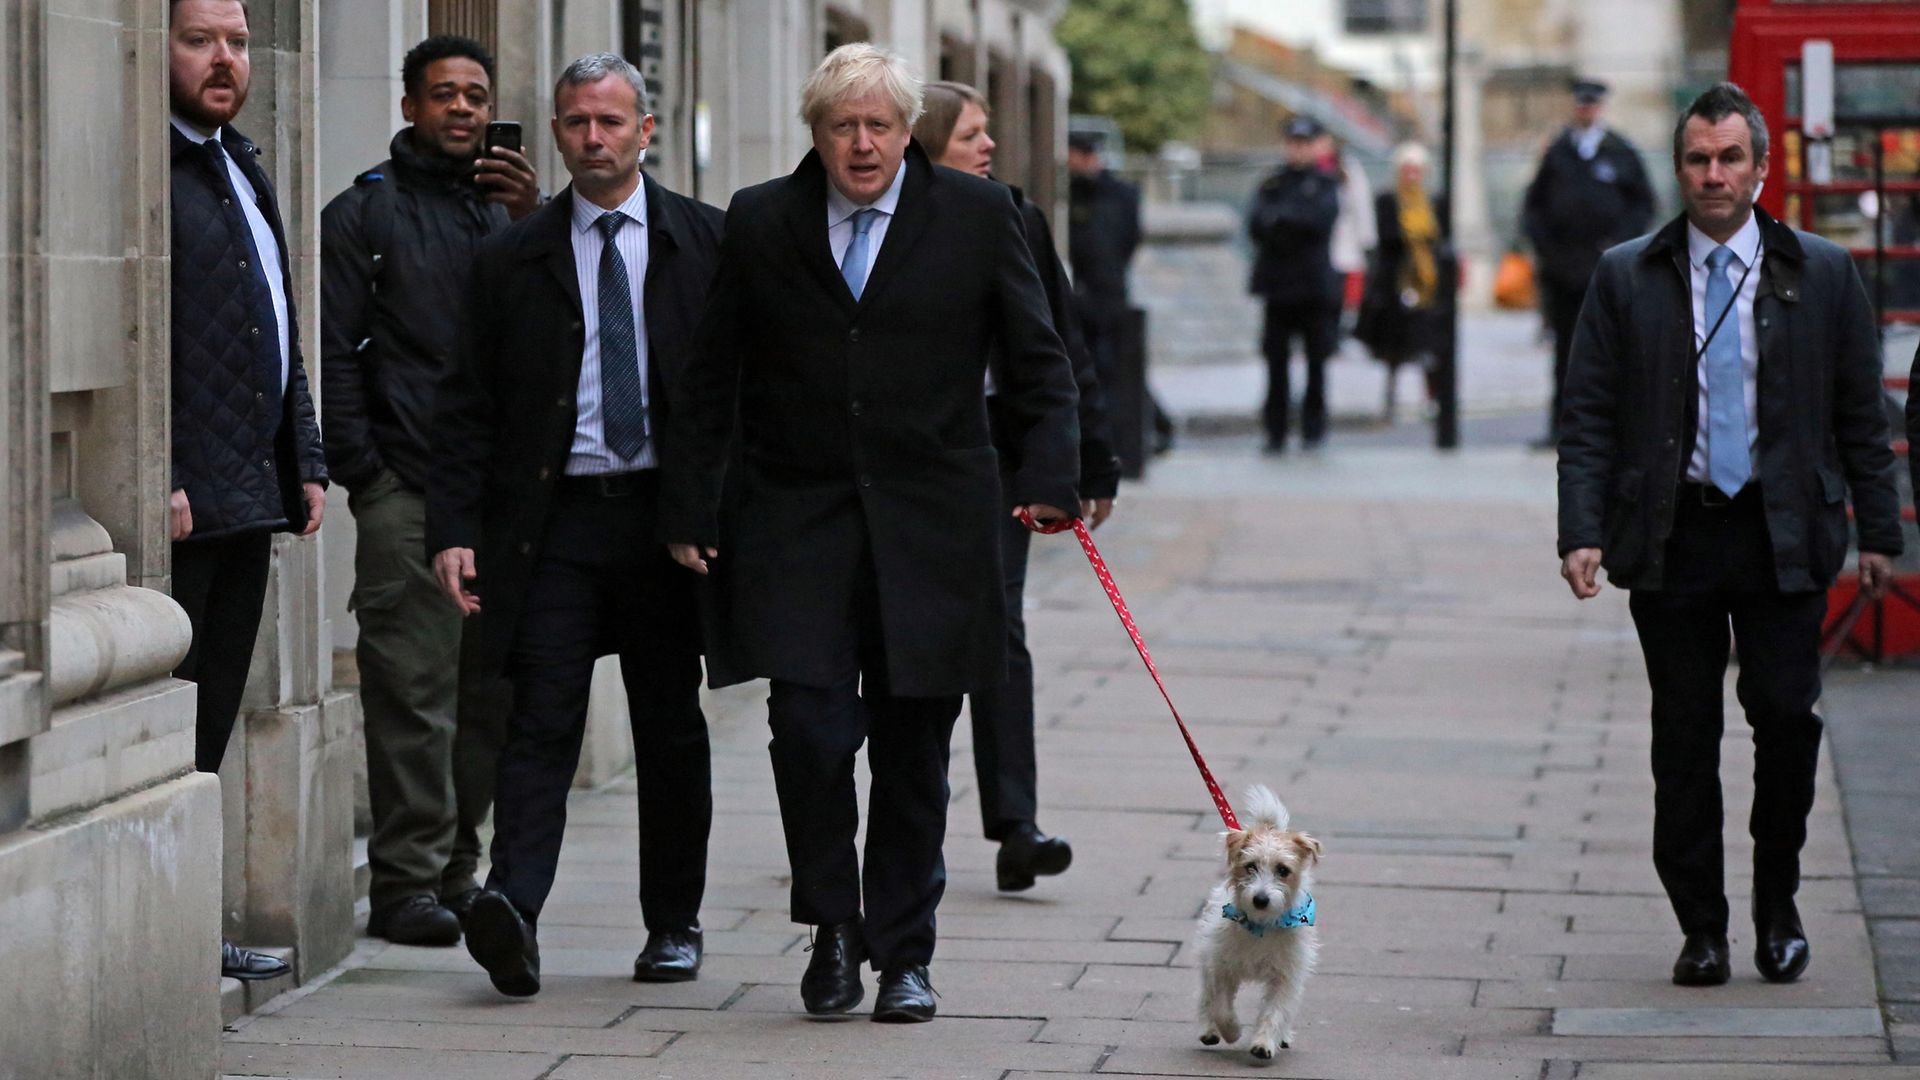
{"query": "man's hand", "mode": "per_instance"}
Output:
(508, 179)
(179, 515)
(688, 555)
(1581, 568)
(1876, 574)
(1042, 514)
(453, 568)
(316, 507)
(1095, 511)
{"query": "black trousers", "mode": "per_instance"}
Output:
(604, 585)
(817, 731)
(1563, 314)
(480, 730)
(1317, 324)
(1720, 574)
(222, 584)
(1003, 754)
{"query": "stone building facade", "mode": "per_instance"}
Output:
(120, 867)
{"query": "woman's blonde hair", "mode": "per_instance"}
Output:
(855, 70)
(1411, 153)
(943, 103)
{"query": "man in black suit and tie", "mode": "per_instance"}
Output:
(1722, 400)
(852, 315)
(579, 321)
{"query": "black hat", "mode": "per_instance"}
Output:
(1303, 127)
(1588, 91)
(1084, 141)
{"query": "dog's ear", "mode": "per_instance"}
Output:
(1308, 847)
(1236, 842)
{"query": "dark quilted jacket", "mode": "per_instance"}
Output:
(240, 450)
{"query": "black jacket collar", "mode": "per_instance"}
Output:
(805, 213)
(1776, 239)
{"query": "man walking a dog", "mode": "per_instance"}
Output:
(1722, 401)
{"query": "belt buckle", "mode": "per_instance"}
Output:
(1713, 498)
(614, 485)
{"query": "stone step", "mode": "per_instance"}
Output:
(233, 1000)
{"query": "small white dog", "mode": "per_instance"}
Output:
(1258, 926)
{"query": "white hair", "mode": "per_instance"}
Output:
(1264, 808)
(1411, 153)
(855, 70)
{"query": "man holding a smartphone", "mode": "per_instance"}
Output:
(395, 252)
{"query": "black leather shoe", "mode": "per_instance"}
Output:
(239, 963)
(906, 996)
(500, 940)
(415, 920)
(460, 903)
(673, 956)
(832, 982)
(1703, 961)
(1027, 853)
(1780, 950)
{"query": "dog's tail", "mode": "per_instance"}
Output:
(1265, 808)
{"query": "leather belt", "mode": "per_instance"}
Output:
(1712, 498)
(609, 485)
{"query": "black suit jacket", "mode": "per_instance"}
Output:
(864, 456)
(505, 416)
(1626, 427)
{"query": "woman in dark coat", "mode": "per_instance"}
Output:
(1409, 289)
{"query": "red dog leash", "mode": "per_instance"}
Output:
(1126, 619)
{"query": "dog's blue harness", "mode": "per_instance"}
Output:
(1299, 916)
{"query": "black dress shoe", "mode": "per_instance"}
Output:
(1703, 961)
(1027, 853)
(832, 982)
(502, 942)
(672, 956)
(415, 920)
(239, 963)
(906, 996)
(460, 903)
(1780, 950)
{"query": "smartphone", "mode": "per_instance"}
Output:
(501, 133)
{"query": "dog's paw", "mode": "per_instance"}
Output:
(1263, 1051)
(1209, 1037)
(1286, 1044)
(1229, 1033)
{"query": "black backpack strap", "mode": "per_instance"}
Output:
(377, 216)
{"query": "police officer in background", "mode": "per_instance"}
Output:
(1291, 226)
(1591, 193)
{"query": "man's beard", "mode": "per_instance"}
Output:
(190, 105)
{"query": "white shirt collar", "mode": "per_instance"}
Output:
(1745, 243)
(190, 131)
(586, 211)
(840, 208)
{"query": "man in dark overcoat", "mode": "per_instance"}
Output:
(1591, 193)
(1723, 400)
(854, 310)
(543, 507)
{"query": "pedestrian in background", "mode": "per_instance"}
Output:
(1103, 232)
(544, 506)
(1407, 300)
(395, 249)
(1722, 401)
(1591, 193)
(857, 301)
(1356, 230)
(247, 460)
(953, 131)
(1291, 226)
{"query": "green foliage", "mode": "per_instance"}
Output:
(1139, 62)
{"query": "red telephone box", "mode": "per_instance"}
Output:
(1860, 188)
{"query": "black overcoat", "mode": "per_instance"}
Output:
(506, 412)
(864, 457)
(1577, 208)
(1627, 426)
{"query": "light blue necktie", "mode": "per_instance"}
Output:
(853, 267)
(623, 401)
(1728, 463)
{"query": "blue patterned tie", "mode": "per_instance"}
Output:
(1728, 463)
(623, 402)
(854, 266)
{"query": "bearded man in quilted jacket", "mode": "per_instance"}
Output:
(247, 460)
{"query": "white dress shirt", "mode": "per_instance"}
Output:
(263, 242)
(590, 455)
(840, 211)
(1586, 140)
(1745, 245)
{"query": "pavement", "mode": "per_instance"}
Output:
(1376, 632)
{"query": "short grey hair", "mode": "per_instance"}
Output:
(1715, 104)
(593, 67)
(855, 70)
